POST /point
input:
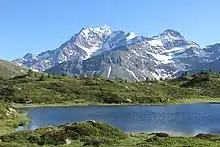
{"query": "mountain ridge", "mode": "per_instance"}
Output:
(135, 57)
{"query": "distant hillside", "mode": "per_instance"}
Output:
(49, 89)
(8, 70)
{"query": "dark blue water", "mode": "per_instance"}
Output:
(173, 119)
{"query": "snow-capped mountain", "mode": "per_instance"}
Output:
(117, 54)
(88, 42)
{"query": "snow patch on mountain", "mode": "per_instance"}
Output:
(133, 74)
(130, 36)
(160, 57)
(109, 71)
(156, 42)
(101, 31)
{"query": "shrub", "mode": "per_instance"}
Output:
(95, 143)
(205, 136)
(42, 77)
(160, 134)
(30, 72)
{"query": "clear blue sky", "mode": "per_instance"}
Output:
(38, 25)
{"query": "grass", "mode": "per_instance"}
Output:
(10, 119)
(66, 91)
(179, 142)
(86, 91)
(98, 134)
(71, 91)
(67, 104)
(198, 100)
(8, 70)
(10, 125)
(86, 133)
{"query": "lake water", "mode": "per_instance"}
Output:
(173, 119)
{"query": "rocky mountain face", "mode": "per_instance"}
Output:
(127, 56)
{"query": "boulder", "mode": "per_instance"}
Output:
(129, 100)
(91, 121)
(68, 141)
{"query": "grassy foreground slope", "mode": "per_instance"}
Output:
(60, 89)
(10, 118)
(8, 70)
(42, 89)
(97, 134)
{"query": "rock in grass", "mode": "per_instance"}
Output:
(91, 121)
(68, 141)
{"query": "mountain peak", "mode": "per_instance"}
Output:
(171, 33)
(130, 35)
(121, 54)
(26, 58)
(103, 30)
(105, 26)
(29, 56)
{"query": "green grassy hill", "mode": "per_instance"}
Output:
(10, 118)
(207, 83)
(8, 70)
(62, 89)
